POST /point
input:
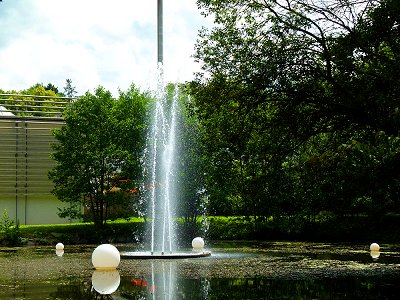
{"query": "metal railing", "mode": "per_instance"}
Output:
(32, 106)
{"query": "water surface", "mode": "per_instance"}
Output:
(246, 270)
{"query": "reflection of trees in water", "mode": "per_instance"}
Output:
(75, 288)
(161, 283)
(361, 287)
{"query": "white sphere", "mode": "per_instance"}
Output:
(198, 243)
(60, 246)
(106, 256)
(374, 247)
(105, 282)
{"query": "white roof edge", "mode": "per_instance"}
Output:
(4, 111)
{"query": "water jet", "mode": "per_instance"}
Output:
(161, 169)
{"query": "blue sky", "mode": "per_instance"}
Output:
(95, 42)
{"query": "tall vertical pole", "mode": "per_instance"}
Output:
(160, 54)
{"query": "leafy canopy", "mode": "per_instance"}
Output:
(99, 152)
(300, 100)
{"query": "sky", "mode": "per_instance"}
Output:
(95, 42)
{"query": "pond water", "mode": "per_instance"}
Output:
(235, 270)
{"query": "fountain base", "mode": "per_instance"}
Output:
(159, 255)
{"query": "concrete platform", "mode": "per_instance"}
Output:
(167, 255)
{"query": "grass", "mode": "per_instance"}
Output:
(120, 230)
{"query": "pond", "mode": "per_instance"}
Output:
(235, 270)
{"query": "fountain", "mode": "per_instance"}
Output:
(161, 145)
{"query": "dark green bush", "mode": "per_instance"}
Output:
(82, 233)
(10, 234)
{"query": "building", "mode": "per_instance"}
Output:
(26, 123)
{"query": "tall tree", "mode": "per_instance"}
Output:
(305, 96)
(52, 87)
(190, 164)
(69, 90)
(98, 153)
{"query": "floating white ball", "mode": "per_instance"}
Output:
(198, 243)
(374, 247)
(106, 256)
(60, 246)
(105, 282)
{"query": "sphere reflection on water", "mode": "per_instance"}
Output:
(375, 255)
(106, 282)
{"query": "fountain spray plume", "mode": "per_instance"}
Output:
(162, 145)
(162, 141)
(160, 156)
(162, 160)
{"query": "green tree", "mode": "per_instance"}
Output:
(99, 153)
(304, 96)
(191, 194)
(37, 100)
(69, 90)
(9, 231)
(52, 87)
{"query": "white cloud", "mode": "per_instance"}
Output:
(95, 42)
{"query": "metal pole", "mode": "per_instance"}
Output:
(160, 58)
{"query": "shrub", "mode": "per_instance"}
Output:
(10, 232)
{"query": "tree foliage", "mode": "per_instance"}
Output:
(69, 89)
(37, 100)
(99, 153)
(300, 100)
(191, 163)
